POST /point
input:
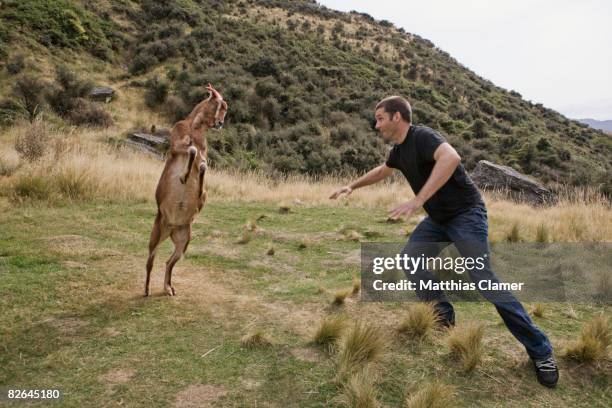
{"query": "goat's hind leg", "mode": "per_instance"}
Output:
(158, 234)
(192, 151)
(180, 237)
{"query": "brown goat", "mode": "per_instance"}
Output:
(181, 195)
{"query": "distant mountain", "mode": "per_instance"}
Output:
(605, 125)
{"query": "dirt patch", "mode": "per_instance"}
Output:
(74, 265)
(68, 325)
(306, 354)
(199, 395)
(215, 247)
(353, 258)
(250, 383)
(70, 244)
(116, 377)
(111, 332)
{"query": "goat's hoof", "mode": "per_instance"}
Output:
(183, 179)
(146, 294)
(170, 291)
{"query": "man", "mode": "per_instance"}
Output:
(456, 214)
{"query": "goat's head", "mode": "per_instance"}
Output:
(220, 107)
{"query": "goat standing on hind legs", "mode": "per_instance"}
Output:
(180, 194)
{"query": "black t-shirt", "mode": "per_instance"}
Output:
(414, 158)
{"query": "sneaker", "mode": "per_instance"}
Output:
(546, 371)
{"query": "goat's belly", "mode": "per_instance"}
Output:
(181, 210)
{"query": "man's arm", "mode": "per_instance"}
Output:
(447, 159)
(373, 176)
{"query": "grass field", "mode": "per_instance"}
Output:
(240, 332)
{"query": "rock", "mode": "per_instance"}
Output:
(148, 143)
(522, 188)
(102, 93)
(159, 142)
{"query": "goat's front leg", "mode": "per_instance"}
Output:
(202, 172)
(192, 151)
(202, 193)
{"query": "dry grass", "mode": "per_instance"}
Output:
(603, 286)
(419, 322)
(514, 234)
(465, 344)
(359, 391)
(541, 234)
(432, 395)
(356, 286)
(340, 296)
(329, 332)
(538, 310)
(593, 343)
(245, 238)
(362, 345)
(255, 339)
(80, 165)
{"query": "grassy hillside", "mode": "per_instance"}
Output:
(301, 81)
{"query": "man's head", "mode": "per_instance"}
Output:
(393, 114)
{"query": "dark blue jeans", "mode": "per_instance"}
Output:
(468, 231)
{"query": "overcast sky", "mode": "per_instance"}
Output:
(556, 52)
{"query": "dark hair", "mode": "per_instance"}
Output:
(394, 104)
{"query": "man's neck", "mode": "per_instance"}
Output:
(402, 132)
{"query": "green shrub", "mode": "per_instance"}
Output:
(16, 64)
(29, 95)
(157, 91)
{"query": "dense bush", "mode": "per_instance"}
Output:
(32, 144)
(29, 95)
(157, 91)
(68, 100)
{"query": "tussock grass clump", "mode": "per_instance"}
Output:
(356, 286)
(359, 392)
(350, 234)
(251, 226)
(271, 251)
(330, 330)
(245, 238)
(542, 234)
(465, 344)
(362, 345)
(372, 234)
(538, 310)
(420, 321)
(304, 243)
(593, 343)
(255, 339)
(284, 209)
(432, 395)
(514, 234)
(340, 296)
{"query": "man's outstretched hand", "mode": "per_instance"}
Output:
(344, 190)
(406, 209)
